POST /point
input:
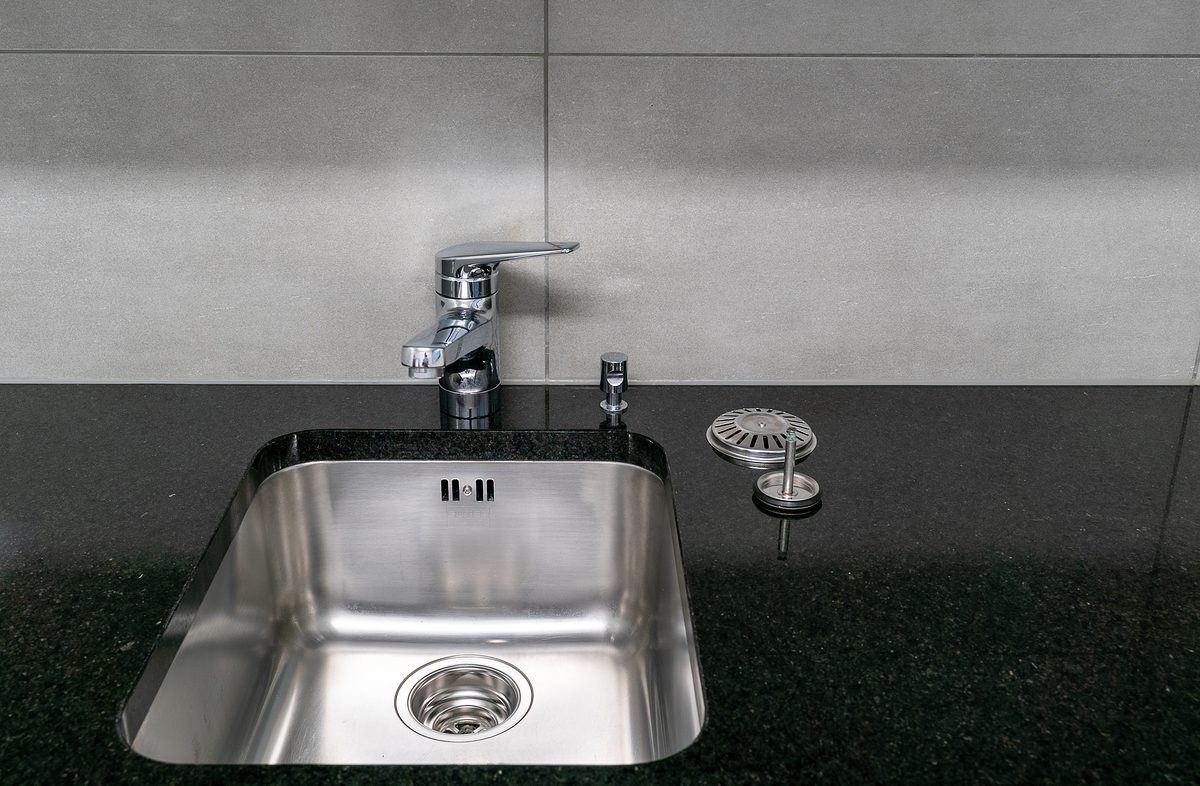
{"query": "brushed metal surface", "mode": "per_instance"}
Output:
(331, 582)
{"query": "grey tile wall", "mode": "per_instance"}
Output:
(251, 217)
(870, 26)
(919, 218)
(890, 219)
(275, 25)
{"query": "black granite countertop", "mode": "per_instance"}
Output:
(1003, 584)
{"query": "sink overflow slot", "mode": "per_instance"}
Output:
(483, 490)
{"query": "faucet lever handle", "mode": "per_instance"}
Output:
(466, 270)
(457, 261)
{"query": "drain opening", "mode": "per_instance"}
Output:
(463, 698)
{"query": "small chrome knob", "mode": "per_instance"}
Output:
(614, 379)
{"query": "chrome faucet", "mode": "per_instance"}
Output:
(460, 348)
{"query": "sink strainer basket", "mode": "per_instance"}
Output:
(756, 437)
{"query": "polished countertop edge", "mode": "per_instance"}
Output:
(1189, 379)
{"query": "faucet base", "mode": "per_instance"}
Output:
(470, 405)
(492, 421)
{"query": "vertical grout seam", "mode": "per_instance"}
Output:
(546, 205)
(546, 183)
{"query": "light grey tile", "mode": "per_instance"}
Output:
(869, 26)
(242, 217)
(890, 219)
(275, 25)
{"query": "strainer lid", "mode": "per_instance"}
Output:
(756, 437)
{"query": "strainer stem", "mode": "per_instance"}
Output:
(789, 463)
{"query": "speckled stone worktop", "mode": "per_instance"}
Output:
(1003, 584)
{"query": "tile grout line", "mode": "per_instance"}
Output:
(545, 183)
(264, 53)
(546, 53)
(901, 55)
(546, 207)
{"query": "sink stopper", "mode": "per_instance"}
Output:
(787, 491)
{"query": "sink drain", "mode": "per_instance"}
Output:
(463, 698)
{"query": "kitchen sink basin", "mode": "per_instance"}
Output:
(420, 597)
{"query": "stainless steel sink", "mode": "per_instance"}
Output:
(394, 597)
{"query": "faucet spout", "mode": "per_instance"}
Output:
(455, 335)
